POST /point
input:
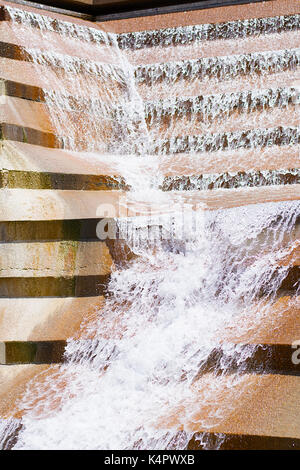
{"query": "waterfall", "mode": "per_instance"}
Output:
(136, 376)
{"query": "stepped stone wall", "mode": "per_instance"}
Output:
(245, 129)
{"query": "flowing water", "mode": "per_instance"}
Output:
(136, 376)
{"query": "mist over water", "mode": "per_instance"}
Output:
(136, 375)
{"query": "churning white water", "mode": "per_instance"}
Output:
(136, 376)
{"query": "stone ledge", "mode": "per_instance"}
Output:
(66, 181)
(226, 441)
(32, 352)
(255, 359)
(22, 157)
(252, 404)
(21, 90)
(13, 179)
(28, 135)
(54, 259)
(49, 230)
(95, 285)
(47, 319)
(44, 205)
(31, 287)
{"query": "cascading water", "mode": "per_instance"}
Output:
(136, 376)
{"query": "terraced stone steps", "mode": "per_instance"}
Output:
(258, 115)
(231, 105)
(154, 81)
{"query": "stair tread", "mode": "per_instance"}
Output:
(236, 401)
(70, 204)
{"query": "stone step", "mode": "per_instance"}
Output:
(42, 76)
(12, 179)
(71, 204)
(234, 139)
(49, 230)
(236, 29)
(20, 112)
(217, 18)
(220, 69)
(32, 352)
(276, 322)
(152, 83)
(96, 285)
(31, 287)
(32, 160)
(245, 358)
(229, 404)
(45, 180)
(33, 38)
(170, 127)
(84, 230)
(64, 63)
(28, 121)
(232, 399)
(231, 180)
(54, 259)
(14, 380)
(246, 139)
(177, 19)
(242, 358)
(21, 90)
(46, 319)
(41, 319)
(209, 107)
(38, 121)
(205, 108)
(211, 48)
(227, 441)
(173, 88)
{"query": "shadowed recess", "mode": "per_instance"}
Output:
(32, 352)
(77, 286)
